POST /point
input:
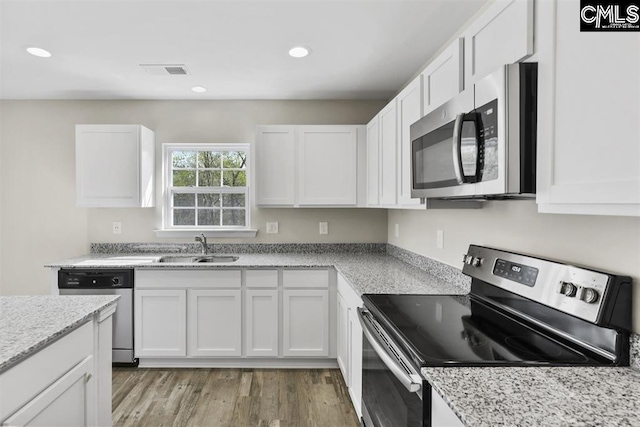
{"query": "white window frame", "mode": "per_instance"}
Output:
(170, 230)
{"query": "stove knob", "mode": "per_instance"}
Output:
(467, 259)
(568, 289)
(589, 295)
(115, 280)
(477, 262)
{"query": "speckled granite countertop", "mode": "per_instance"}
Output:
(28, 323)
(366, 273)
(541, 397)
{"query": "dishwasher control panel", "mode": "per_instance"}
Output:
(94, 279)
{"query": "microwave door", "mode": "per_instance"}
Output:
(437, 165)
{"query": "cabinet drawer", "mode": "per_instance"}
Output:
(305, 278)
(188, 278)
(261, 278)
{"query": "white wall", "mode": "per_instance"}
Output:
(607, 243)
(42, 224)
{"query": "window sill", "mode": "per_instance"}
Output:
(244, 233)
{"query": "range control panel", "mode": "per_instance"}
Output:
(574, 290)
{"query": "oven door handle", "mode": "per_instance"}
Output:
(411, 382)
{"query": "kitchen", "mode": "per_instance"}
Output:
(602, 232)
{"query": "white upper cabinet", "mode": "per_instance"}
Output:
(373, 162)
(588, 116)
(275, 165)
(443, 78)
(115, 166)
(308, 165)
(327, 168)
(409, 104)
(388, 154)
(502, 35)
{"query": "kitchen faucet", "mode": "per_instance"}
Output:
(202, 239)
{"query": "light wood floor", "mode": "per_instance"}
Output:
(231, 397)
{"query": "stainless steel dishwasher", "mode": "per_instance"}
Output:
(107, 282)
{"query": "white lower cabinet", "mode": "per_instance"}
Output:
(65, 383)
(214, 322)
(65, 403)
(305, 322)
(232, 314)
(350, 342)
(160, 323)
(261, 314)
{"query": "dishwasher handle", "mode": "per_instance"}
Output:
(412, 382)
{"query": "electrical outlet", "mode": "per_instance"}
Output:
(440, 239)
(324, 228)
(397, 230)
(272, 228)
(117, 227)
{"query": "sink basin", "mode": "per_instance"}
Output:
(197, 259)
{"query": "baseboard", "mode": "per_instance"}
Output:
(266, 363)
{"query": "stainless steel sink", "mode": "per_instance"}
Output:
(196, 259)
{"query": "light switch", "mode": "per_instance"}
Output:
(324, 228)
(440, 239)
(272, 228)
(397, 230)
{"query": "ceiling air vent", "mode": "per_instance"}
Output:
(165, 69)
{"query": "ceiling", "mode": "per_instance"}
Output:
(360, 49)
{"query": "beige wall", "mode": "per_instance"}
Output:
(608, 243)
(41, 223)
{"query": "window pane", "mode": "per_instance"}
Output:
(209, 200)
(235, 159)
(208, 216)
(234, 178)
(208, 159)
(184, 217)
(184, 159)
(184, 199)
(233, 217)
(183, 178)
(233, 200)
(208, 178)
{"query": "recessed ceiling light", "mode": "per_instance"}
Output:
(36, 51)
(199, 89)
(298, 52)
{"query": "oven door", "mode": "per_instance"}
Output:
(446, 150)
(391, 386)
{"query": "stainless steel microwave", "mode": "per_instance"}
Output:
(482, 143)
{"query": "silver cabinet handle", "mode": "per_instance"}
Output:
(411, 382)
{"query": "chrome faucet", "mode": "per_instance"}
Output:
(202, 239)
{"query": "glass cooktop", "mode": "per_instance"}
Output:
(442, 330)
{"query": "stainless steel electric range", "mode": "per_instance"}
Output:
(521, 311)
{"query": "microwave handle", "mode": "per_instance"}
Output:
(457, 148)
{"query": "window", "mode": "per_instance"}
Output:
(206, 186)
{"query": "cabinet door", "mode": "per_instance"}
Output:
(261, 311)
(305, 322)
(441, 414)
(409, 111)
(327, 166)
(114, 166)
(160, 323)
(502, 35)
(67, 402)
(443, 78)
(388, 153)
(343, 339)
(355, 359)
(588, 116)
(373, 162)
(214, 326)
(275, 166)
